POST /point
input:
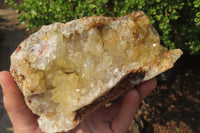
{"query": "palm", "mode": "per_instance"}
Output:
(114, 119)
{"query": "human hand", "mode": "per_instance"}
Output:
(114, 119)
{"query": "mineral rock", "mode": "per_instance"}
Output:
(63, 69)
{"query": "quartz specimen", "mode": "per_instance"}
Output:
(65, 71)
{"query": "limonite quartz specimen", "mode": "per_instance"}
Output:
(66, 71)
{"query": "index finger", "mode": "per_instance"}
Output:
(147, 87)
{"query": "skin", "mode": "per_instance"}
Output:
(114, 119)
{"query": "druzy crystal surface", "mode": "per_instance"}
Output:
(64, 67)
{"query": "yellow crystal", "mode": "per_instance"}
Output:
(65, 89)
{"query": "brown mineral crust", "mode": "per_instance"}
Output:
(125, 84)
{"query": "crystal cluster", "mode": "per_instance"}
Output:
(65, 67)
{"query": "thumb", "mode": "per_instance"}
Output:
(21, 117)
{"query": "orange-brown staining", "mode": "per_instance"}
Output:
(29, 101)
(18, 49)
(139, 70)
(44, 48)
(22, 77)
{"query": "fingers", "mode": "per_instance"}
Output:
(147, 87)
(113, 110)
(129, 106)
(128, 109)
(20, 116)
